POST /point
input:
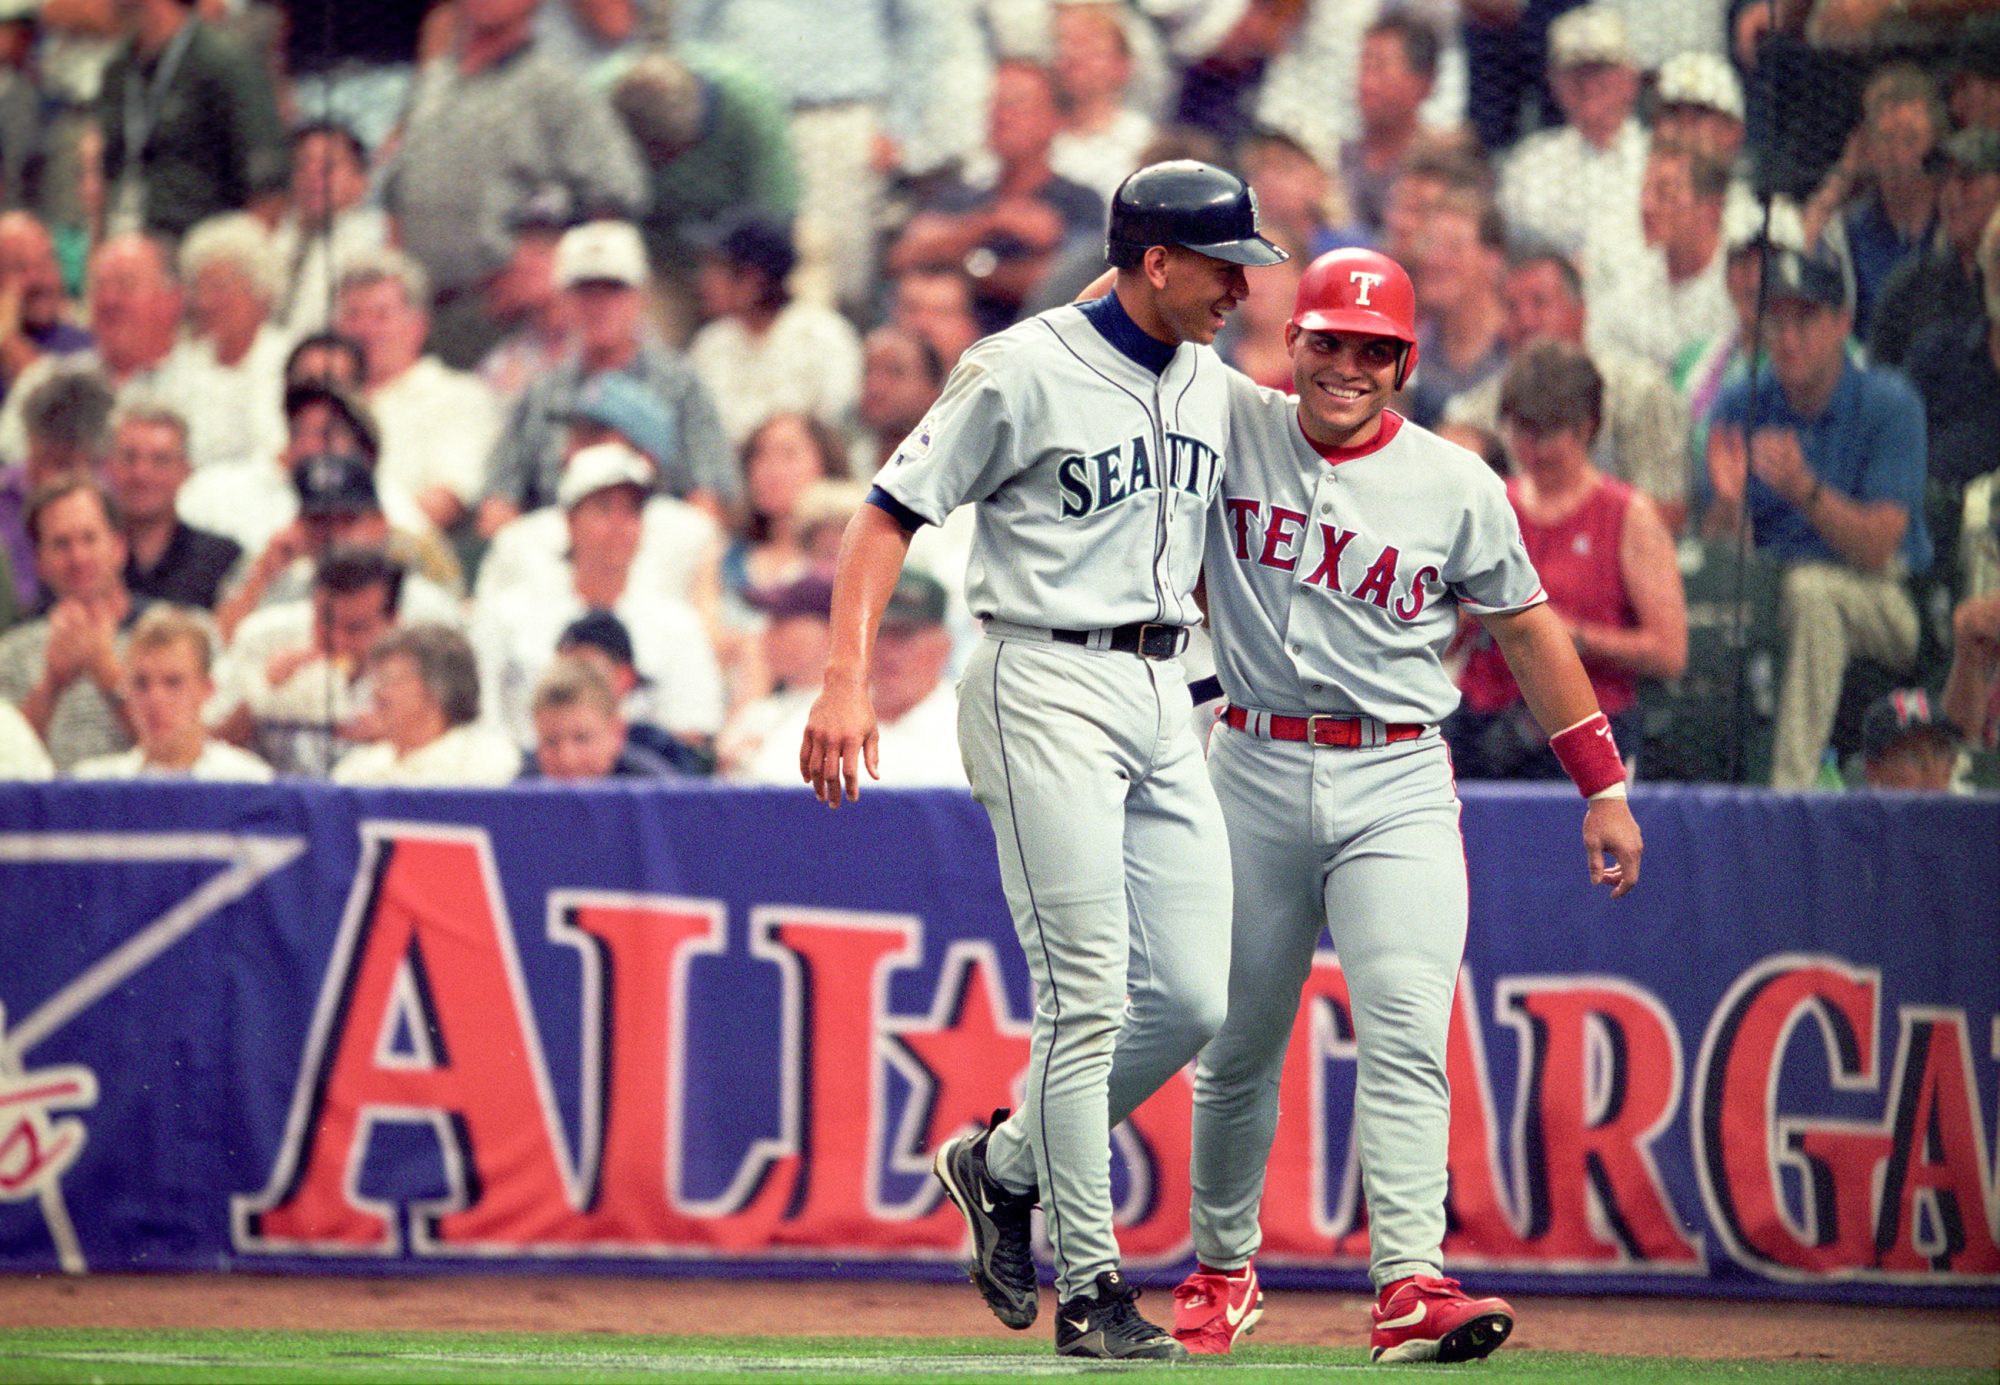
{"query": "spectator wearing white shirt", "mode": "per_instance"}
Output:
(1103, 136)
(916, 707)
(1558, 186)
(438, 424)
(21, 755)
(337, 506)
(602, 493)
(135, 314)
(425, 701)
(1697, 105)
(326, 223)
(675, 537)
(792, 651)
(166, 684)
(1676, 297)
(258, 505)
(763, 352)
(1643, 437)
(250, 502)
(291, 685)
(228, 374)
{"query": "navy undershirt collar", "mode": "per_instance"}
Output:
(1116, 326)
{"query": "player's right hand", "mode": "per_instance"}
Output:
(840, 738)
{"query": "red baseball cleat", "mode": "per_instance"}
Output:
(1212, 1310)
(1426, 1319)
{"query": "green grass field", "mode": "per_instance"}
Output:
(354, 1358)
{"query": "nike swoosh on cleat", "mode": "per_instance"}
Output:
(1409, 1319)
(1078, 1324)
(1234, 1315)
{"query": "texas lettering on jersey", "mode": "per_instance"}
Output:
(1091, 482)
(1280, 538)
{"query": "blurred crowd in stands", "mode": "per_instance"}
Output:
(460, 392)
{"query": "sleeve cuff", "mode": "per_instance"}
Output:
(908, 518)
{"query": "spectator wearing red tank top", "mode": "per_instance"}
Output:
(1605, 558)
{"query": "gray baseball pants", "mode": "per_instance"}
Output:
(1116, 870)
(1365, 842)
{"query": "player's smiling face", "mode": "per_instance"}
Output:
(1343, 380)
(1197, 292)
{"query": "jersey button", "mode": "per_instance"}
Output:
(1298, 649)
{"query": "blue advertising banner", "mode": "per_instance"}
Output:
(296, 1027)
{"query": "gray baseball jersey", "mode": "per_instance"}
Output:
(1092, 472)
(1334, 584)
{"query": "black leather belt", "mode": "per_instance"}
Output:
(1146, 639)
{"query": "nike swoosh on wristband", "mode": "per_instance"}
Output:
(1409, 1319)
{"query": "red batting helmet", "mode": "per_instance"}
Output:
(1359, 291)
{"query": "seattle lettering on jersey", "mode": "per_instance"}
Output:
(1276, 537)
(1096, 481)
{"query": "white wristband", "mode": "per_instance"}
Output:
(1610, 791)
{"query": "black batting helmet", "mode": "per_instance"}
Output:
(1190, 204)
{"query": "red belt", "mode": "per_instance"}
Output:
(1343, 733)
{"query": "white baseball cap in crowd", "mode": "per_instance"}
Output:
(1700, 79)
(1589, 34)
(604, 252)
(600, 467)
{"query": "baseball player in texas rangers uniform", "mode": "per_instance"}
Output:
(1091, 440)
(1343, 547)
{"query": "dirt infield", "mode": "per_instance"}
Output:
(1680, 1327)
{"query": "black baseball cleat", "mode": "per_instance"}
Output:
(1109, 1328)
(1003, 1262)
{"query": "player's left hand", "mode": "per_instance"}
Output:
(1610, 829)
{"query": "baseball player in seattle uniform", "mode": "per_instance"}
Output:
(1343, 547)
(1091, 440)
